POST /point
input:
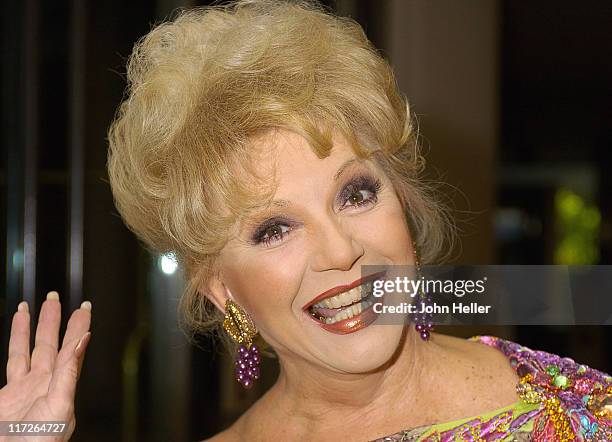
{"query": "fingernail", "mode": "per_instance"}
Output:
(53, 295)
(23, 307)
(86, 305)
(78, 350)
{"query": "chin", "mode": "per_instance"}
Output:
(363, 351)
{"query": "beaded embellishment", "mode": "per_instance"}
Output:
(576, 400)
(560, 400)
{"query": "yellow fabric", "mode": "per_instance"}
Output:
(518, 408)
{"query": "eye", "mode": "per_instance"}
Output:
(360, 191)
(274, 233)
(270, 232)
(358, 198)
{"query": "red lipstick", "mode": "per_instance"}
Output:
(343, 288)
(356, 322)
(350, 325)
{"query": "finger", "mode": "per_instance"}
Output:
(68, 365)
(18, 363)
(47, 334)
(78, 324)
(80, 352)
(62, 387)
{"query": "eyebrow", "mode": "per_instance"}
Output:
(337, 175)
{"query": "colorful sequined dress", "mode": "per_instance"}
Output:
(561, 400)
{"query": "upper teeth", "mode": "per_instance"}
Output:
(346, 298)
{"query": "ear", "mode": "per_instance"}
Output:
(217, 292)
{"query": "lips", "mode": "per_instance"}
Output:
(343, 288)
(362, 316)
(350, 325)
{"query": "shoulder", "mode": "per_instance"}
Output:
(478, 376)
(574, 398)
(540, 364)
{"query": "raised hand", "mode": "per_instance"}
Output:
(41, 387)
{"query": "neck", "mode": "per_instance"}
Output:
(314, 395)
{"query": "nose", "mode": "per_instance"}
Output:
(334, 247)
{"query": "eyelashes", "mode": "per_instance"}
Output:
(275, 229)
(259, 236)
(355, 185)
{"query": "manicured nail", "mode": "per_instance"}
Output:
(23, 307)
(78, 350)
(86, 305)
(53, 295)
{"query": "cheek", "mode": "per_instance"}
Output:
(387, 231)
(265, 284)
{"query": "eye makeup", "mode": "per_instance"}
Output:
(258, 235)
(357, 183)
(275, 228)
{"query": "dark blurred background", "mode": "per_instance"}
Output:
(513, 103)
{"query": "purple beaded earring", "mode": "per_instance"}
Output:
(422, 321)
(239, 325)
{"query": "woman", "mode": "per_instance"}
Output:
(266, 144)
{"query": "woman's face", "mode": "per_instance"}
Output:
(336, 214)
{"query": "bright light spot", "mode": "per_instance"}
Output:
(18, 259)
(568, 203)
(577, 225)
(168, 264)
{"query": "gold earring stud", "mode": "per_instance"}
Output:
(238, 324)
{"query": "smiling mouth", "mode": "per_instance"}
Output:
(343, 306)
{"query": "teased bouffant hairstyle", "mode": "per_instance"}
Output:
(202, 86)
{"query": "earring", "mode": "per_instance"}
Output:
(239, 325)
(423, 321)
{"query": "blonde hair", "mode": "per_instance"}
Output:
(202, 86)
